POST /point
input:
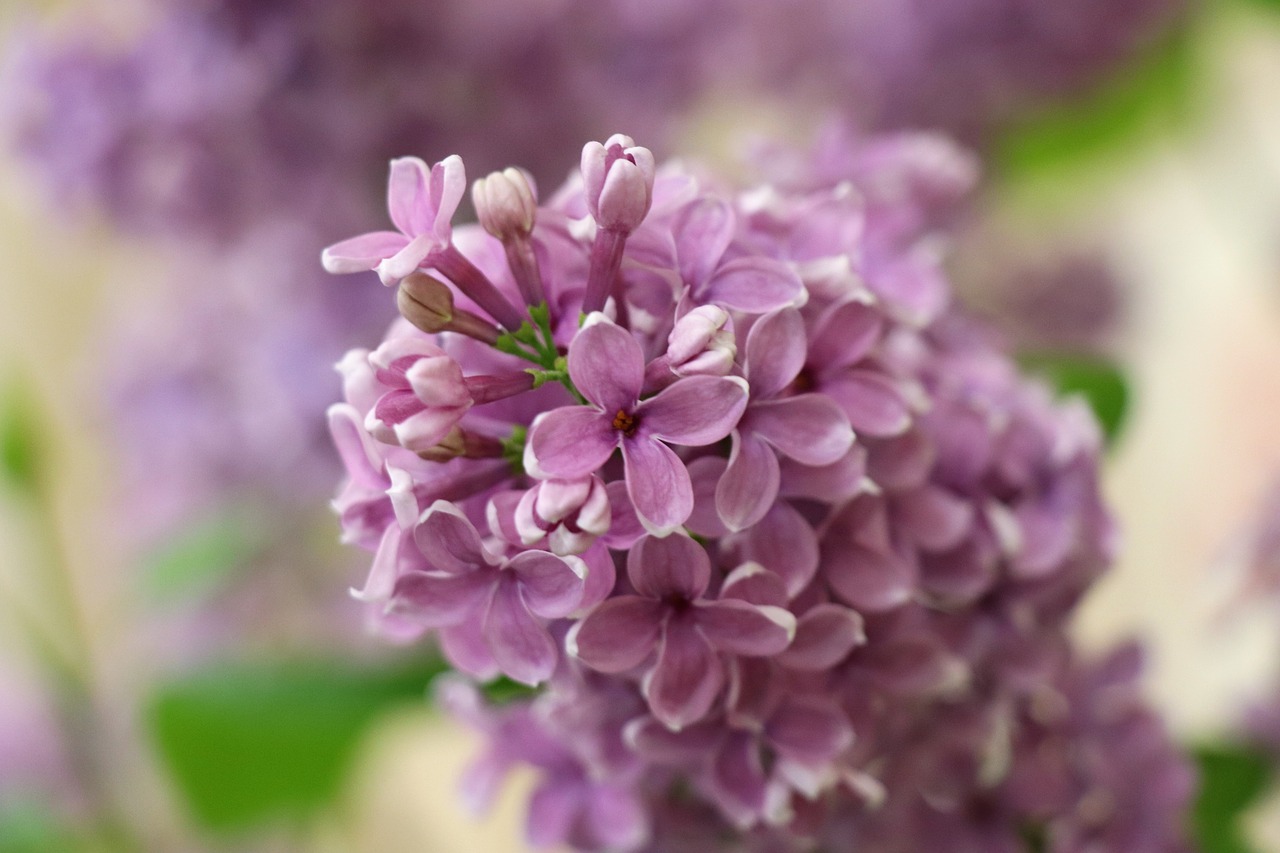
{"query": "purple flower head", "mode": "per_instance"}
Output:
(785, 541)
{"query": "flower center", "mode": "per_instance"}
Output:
(625, 423)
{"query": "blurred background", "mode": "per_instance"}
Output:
(180, 665)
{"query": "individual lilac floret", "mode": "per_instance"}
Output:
(607, 367)
(487, 607)
(671, 614)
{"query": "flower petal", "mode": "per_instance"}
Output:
(552, 586)
(694, 411)
(749, 485)
(408, 201)
(440, 600)
(703, 232)
(674, 565)
(553, 809)
(845, 334)
(868, 579)
(784, 543)
(618, 635)
(775, 352)
(749, 630)
(606, 365)
(875, 405)
(521, 646)
(657, 483)
(362, 253)
(809, 428)
(753, 284)
(616, 817)
(447, 186)
(572, 441)
(465, 647)
(448, 539)
(824, 636)
(398, 266)
(686, 679)
(738, 780)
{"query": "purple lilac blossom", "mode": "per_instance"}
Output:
(827, 602)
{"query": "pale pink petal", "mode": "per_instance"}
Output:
(810, 428)
(618, 635)
(521, 646)
(552, 586)
(934, 518)
(703, 232)
(866, 579)
(740, 628)
(572, 441)
(824, 636)
(833, 484)
(360, 454)
(775, 352)
(447, 187)
(426, 428)
(362, 253)
(845, 335)
(447, 538)
(616, 817)
(624, 525)
(753, 583)
(873, 403)
(657, 483)
(405, 261)
(602, 575)
(753, 284)
(783, 542)
(671, 566)
(388, 561)
(738, 780)
(686, 679)
(552, 810)
(607, 366)
(958, 576)
(465, 647)
(812, 732)
(705, 473)
(694, 411)
(750, 482)
(439, 600)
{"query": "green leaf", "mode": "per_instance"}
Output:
(1099, 381)
(19, 438)
(250, 743)
(30, 829)
(199, 558)
(1158, 86)
(1232, 778)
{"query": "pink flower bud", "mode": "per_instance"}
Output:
(505, 203)
(700, 343)
(569, 513)
(618, 181)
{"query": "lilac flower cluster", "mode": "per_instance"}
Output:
(786, 543)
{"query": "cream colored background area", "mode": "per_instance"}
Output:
(1197, 217)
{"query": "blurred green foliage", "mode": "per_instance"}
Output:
(20, 464)
(252, 743)
(26, 828)
(1100, 382)
(1157, 87)
(200, 557)
(1232, 778)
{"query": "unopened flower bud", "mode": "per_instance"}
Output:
(618, 181)
(425, 302)
(428, 304)
(505, 203)
(571, 514)
(701, 345)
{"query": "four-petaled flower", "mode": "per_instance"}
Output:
(607, 366)
(670, 612)
(421, 202)
(487, 607)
